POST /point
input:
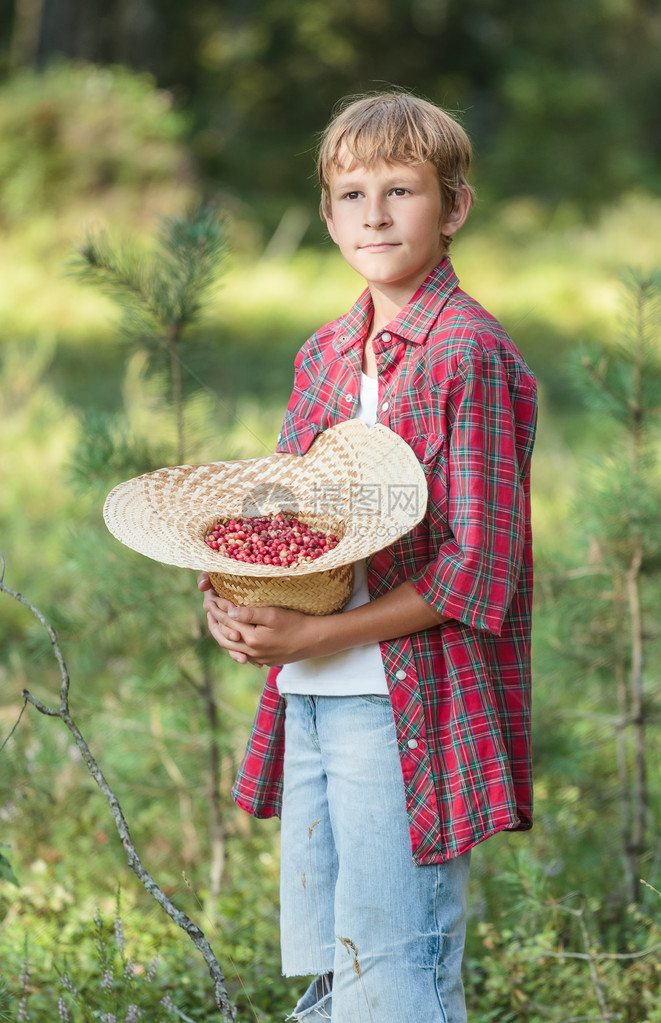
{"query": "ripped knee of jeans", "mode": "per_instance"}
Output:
(315, 1004)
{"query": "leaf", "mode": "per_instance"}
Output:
(6, 872)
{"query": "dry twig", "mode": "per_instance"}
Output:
(63, 712)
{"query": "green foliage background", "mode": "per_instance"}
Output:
(567, 170)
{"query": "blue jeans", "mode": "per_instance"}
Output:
(385, 934)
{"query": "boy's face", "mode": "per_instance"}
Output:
(388, 220)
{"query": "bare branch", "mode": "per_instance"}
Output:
(573, 574)
(545, 953)
(177, 916)
(64, 674)
(15, 725)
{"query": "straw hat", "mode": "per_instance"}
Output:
(364, 484)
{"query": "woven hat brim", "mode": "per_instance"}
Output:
(364, 481)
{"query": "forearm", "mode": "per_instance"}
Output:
(400, 612)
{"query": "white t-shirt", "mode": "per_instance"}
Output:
(355, 672)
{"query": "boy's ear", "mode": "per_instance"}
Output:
(457, 216)
(329, 223)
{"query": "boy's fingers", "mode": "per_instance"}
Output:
(234, 632)
(203, 581)
(217, 605)
(240, 658)
(220, 632)
(251, 615)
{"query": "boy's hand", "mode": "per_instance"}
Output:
(273, 635)
(262, 636)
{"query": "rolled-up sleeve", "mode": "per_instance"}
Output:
(474, 575)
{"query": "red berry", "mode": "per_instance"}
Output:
(281, 540)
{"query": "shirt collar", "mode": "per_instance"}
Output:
(412, 323)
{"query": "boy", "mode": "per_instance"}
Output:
(395, 735)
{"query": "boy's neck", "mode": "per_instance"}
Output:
(387, 304)
(385, 308)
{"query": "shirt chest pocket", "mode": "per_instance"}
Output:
(315, 407)
(430, 450)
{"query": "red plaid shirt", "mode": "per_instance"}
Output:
(454, 386)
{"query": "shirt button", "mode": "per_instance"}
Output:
(412, 744)
(385, 406)
(386, 336)
(348, 397)
(400, 675)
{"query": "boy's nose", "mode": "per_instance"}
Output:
(376, 214)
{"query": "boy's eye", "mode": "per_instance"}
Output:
(351, 195)
(399, 191)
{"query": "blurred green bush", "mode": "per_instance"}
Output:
(76, 131)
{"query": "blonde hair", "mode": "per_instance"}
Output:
(395, 127)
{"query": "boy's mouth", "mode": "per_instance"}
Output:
(378, 246)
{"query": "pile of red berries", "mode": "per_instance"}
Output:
(270, 540)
